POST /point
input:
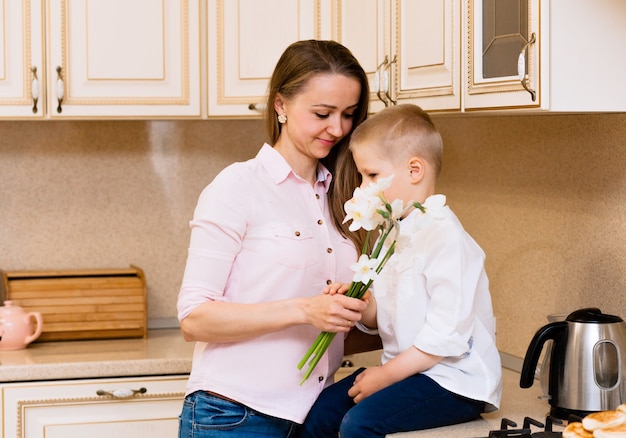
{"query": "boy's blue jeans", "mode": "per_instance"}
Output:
(415, 403)
(207, 416)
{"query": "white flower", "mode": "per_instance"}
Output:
(434, 209)
(377, 188)
(434, 205)
(397, 209)
(364, 269)
(370, 210)
(362, 209)
(366, 209)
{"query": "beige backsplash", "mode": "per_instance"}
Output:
(545, 196)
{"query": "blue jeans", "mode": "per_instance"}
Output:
(207, 416)
(414, 403)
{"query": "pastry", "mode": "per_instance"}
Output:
(611, 432)
(604, 419)
(576, 430)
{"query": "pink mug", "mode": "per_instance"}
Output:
(16, 327)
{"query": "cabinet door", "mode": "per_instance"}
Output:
(410, 49)
(21, 58)
(119, 58)
(363, 26)
(426, 53)
(62, 409)
(498, 31)
(245, 40)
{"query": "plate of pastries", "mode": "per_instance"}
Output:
(602, 424)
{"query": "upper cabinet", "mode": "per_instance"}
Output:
(105, 59)
(410, 49)
(119, 58)
(557, 55)
(21, 59)
(146, 59)
(245, 39)
(425, 46)
(364, 27)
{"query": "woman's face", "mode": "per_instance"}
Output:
(320, 116)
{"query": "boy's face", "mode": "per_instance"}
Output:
(373, 165)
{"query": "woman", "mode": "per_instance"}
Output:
(265, 241)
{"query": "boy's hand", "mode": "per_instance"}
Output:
(368, 382)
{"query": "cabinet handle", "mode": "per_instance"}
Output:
(521, 67)
(60, 89)
(121, 393)
(381, 92)
(34, 88)
(388, 75)
(260, 107)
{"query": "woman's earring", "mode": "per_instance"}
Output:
(282, 119)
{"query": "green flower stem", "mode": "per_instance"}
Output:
(319, 348)
(356, 290)
(324, 339)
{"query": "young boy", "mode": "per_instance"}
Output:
(431, 303)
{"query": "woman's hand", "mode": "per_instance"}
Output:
(336, 288)
(334, 312)
(342, 288)
(368, 316)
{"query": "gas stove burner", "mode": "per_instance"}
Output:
(508, 429)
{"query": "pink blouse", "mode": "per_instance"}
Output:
(261, 233)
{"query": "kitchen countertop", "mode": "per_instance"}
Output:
(164, 352)
(517, 403)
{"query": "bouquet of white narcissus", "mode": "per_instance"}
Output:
(368, 209)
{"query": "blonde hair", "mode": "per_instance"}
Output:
(402, 131)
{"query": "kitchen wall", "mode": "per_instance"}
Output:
(544, 195)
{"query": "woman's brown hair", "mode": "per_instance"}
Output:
(297, 65)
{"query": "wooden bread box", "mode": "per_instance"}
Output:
(81, 304)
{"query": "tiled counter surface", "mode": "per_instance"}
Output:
(165, 352)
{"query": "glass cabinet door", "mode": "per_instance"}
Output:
(502, 53)
(504, 34)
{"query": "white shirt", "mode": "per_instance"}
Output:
(261, 233)
(433, 294)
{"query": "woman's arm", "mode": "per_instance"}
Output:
(220, 322)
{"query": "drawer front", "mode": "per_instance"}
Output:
(98, 408)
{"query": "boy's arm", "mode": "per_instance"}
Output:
(407, 363)
(368, 316)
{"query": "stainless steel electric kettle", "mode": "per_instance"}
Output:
(587, 363)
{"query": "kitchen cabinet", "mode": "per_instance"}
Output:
(97, 408)
(545, 55)
(104, 58)
(21, 59)
(410, 49)
(116, 58)
(109, 59)
(244, 40)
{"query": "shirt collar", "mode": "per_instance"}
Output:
(279, 169)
